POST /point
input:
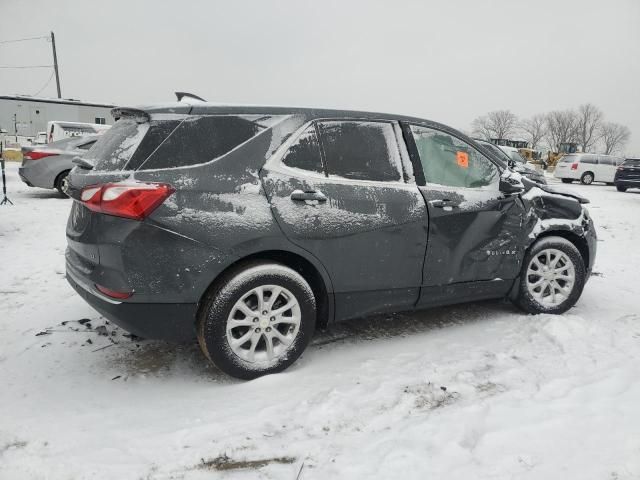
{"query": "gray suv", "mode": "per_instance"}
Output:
(248, 227)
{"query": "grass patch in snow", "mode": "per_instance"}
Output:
(224, 462)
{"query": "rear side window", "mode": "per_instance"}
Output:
(589, 159)
(361, 150)
(201, 139)
(304, 153)
(173, 142)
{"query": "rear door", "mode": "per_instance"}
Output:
(344, 191)
(475, 231)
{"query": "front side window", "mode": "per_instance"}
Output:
(448, 161)
(361, 150)
(304, 153)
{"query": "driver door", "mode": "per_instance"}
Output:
(474, 247)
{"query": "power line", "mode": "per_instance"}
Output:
(26, 66)
(22, 39)
(45, 85)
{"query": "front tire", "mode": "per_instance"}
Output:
(566, 180)
(586, 178)
(553, 276)
(258, 320)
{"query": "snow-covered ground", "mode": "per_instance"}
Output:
(471, 391)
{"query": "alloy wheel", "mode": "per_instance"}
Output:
(550, 277)
(263, 324)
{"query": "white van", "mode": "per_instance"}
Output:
(587, 167)
(58, 130)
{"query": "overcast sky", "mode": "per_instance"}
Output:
(446, 61)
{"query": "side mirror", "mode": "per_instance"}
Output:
(510, 183)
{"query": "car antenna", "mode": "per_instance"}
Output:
(181, 95)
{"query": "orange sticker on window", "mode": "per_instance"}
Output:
(463, 159)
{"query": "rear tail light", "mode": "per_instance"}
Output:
(134, 200)
(113, 293)
(574, 166)
(35, 155)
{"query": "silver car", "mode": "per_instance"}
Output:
(47, 166)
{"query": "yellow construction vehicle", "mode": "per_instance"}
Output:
(553, 157)
(531, 155)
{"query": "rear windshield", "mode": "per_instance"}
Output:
(116, 147)
(173, 142)
(632, 162)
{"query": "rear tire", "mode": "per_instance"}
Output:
(566, 180)
(620, 188)
(246, 332)
(552, 278)
(587, 178)
(59, 182)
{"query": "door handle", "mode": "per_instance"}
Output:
(300, 196)
(444, 203)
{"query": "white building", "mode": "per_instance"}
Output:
(24, 116)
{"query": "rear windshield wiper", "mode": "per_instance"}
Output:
(82, 163)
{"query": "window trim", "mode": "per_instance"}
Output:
(417, 163)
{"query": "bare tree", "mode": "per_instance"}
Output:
(496, 124)
(614, 137)
(535, 129)
(589, 121)
(561, 127)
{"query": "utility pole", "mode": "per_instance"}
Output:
(55, 63)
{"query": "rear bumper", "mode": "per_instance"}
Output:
(174, 322)
(566, 173)
(627, 182)
(21, 173)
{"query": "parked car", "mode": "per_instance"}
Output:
(47, 166)
(511, 156)
(248, 227)
(587, 167)
(59, 130)
(40, 139)
(628, 175)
